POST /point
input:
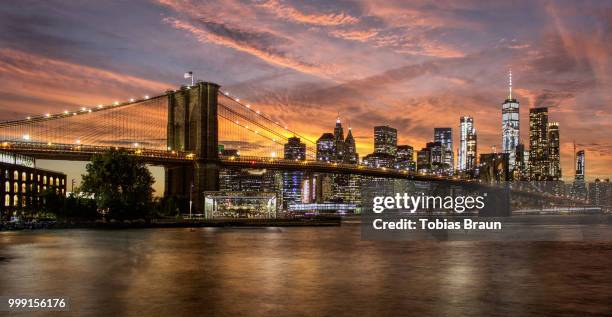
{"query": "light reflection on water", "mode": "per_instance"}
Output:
(302, 272)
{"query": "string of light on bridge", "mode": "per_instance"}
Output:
(263, 115)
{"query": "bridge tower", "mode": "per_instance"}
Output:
(193, 127)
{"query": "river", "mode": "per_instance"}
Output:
(307, 271)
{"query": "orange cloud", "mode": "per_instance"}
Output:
(270, 56)
(286, 12)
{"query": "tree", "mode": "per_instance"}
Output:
(120, 184)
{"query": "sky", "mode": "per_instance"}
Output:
(413, 65)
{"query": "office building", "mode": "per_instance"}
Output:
(295, 149)
(539, 163)
(405, 158)
(554, 153)
(445, 137)
(326, 148)
(385, 140)
(510, 125)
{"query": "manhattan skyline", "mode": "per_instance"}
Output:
(413, 67)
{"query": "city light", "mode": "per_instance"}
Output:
(78, 141)
(116, 103)
(47, 115)
(100, 106)
(29, 118)
(26, 137)
(146, 97)
(66, 112)
(135, 144)
(131, 99)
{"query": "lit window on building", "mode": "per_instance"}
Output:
(31, 176)
(57, 182)
(38, 178)
(7, 200)
(51, 181)
(15, 175)
(15, 187)
(23, 187)
(15, 200)
(24, 176)
(7, 186)
(45, 180)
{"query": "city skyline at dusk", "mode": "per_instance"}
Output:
(413, 67)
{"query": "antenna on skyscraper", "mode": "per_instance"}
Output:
(510, 83)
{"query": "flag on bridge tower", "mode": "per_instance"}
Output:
(189, 75)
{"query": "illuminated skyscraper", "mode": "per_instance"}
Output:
(294, 149)
(467, 144)
(472, 149)
(554, 154)
(445, 137)
(579, 187)
(510, 125)
(339, 141)
(326, 148)
(539, 163)
(385, 140)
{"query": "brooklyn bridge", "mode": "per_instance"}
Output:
(183, 130)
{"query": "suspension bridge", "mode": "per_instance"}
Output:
(181, 130)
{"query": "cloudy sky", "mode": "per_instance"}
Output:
(410, 64)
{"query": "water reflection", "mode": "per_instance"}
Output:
(302, 271)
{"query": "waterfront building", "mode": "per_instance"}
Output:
(510, 125)
(385, 140)
(539, 162)
(23, 183)
(447, 157)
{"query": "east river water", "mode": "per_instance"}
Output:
(308, 271)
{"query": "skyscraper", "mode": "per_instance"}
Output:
(385, 140)
(326, 148)
(510, 125)
(405, 158)
(339, 141)
(350, 155)
(472, 150)
(294, 149)
(445, 137)
(554, 154)
(579, 187)
(538, 144)
(467, 144)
